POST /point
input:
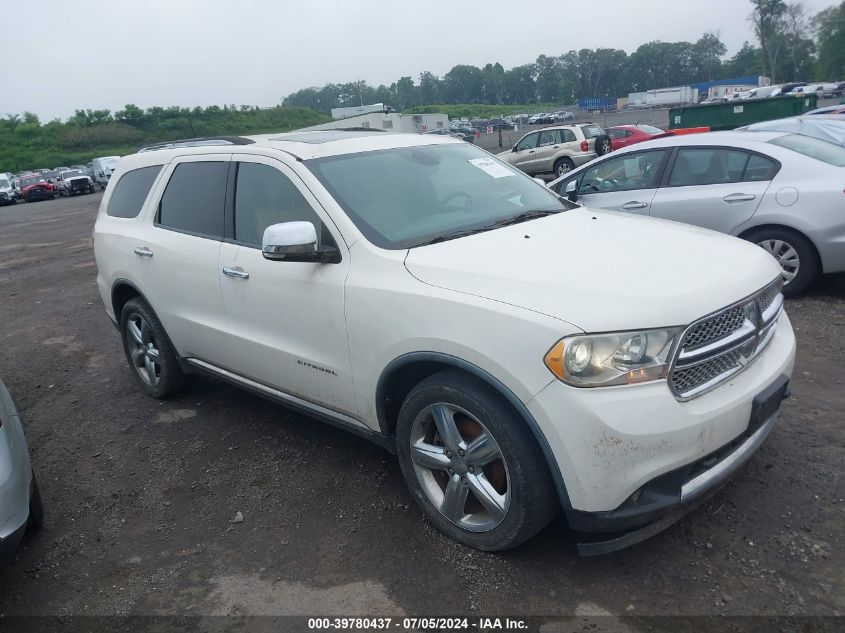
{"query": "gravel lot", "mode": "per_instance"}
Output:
(140, 494)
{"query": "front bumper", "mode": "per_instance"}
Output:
(39, 194)
(626, 453)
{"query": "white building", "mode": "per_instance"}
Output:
(389, 122)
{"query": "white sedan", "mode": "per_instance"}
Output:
(780, 190)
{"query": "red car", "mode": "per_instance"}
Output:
(625, 135)
(36, 187)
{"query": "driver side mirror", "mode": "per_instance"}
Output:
(296, 242)
(572, 190)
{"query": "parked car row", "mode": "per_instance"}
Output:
(46, 184)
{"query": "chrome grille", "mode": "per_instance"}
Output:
(686, 380)
(716, 327)
(718, 346)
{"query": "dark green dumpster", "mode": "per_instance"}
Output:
(733, 114)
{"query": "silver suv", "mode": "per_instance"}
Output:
(558, 149)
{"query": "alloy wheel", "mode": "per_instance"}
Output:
(563, 168)
(460, 467)
(787, 257)
(144, 351)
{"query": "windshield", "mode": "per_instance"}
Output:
(70, 174)
(829, 153)
(50, 174)
(31, 180)
(4, 184)
(405, 197)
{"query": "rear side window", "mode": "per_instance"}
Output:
(265, 196)
(549, 137)
(195, 198)
(707, 166)
(131, 191)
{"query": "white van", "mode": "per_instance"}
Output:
(103, 168)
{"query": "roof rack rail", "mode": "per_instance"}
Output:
(197, 142)
(359, 129)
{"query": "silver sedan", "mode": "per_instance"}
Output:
(783, 191)
(20, 501)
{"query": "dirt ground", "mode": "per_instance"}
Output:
(140, 494)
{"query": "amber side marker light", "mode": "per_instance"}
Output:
(554, 360)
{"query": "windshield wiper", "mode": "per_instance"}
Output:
(516, 219)
(523, 217)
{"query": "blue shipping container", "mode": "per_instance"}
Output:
(598, 103)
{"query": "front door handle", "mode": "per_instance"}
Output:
(634, 204)
(236, 272)
(739, 197)
(143, 251)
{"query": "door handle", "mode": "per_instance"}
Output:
(143, 251)
(236, 272)
(531, 152)
(634, 205)
(556, 147)
(739, 197)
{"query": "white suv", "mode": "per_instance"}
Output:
(519, 353)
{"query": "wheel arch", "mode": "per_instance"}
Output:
(403, 373)
(745, 232)
(123, 290)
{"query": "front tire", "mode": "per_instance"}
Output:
(471, 464)
(36, 507)
(795, 254)
(148, 350)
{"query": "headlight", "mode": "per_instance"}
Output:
(620, 358)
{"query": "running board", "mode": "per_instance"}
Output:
(335, 418)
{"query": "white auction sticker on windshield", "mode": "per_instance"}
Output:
(491, 167)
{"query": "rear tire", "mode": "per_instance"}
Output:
(153, 360)
(563, 166)
(794, 252)
(490, 495)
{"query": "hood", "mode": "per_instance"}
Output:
(73, 178)
(600, 270)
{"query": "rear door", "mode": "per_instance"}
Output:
(622, 183)
(177, 254)
(548, 147)
(717, 188)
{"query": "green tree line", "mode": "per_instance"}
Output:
(791, 45)
(26, 143)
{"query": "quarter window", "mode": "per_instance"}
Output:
(265, 196)
(759, 168)
(194, 199)
(568, 136)
(131, 191)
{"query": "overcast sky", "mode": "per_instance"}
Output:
(59, 55)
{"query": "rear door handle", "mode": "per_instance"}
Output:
(143, 251)
(236, 272)
(739, 197)
(634, 205)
